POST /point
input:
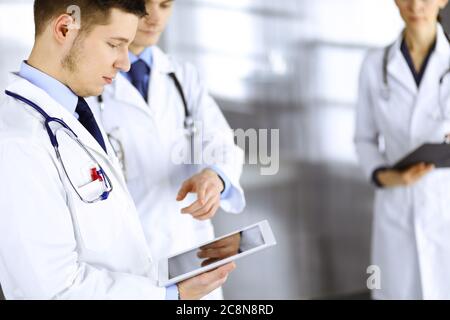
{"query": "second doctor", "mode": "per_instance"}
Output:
(154, 116)
(403, 101)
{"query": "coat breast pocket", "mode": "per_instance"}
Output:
(98, 224)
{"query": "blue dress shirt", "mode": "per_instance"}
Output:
(146, 56)
(172, 292)
(55, 89)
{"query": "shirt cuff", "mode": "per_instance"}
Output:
(375, 180)
(226, 182)
(172, 293)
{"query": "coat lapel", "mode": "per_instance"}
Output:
(159, 89)
(438, 64)
(29, 91)
(398, 69)
(123, 91)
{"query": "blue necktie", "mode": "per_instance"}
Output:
(87, 119)
(140, 75)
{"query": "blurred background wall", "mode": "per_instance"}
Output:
(291, 65)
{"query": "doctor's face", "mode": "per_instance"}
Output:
(420, 13)
(96, 57)
(152, 26)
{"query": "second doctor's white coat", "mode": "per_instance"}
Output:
(53, 245)
(151, 134)
(411, 228)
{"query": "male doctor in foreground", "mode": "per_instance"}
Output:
(68, 227)
(147, 121)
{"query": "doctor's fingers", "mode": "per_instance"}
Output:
(186, 187)
(216, 275)
(208, 262)
(208, 210)
(416, 172)
(418, 168)
(208, 187)
(217, 284)
(219, 243)
(198, 209)
(422, 173)
(199, 185)
(218, 253)
(201, 285)
(211, 213)
(413, 178)
(196, 205)
(202, 188)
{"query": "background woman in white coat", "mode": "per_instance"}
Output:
(145, 118)
(404, 103)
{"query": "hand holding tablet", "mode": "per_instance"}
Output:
(437, 154)
(415, 165)
(214, 254)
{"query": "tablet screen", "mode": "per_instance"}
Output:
(215, 251)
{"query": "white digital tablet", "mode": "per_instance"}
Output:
(213, 254)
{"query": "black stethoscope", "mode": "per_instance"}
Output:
(97, 173)
(386, 92)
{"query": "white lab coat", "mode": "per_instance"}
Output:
(53, 245)
(411, 238)
(150, 133)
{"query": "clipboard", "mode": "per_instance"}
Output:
(430, 153)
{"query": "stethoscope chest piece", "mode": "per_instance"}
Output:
(100, 185)
(189, 126)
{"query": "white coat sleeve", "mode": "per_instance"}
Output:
(219, 149)
(367, 132)
(38, 249)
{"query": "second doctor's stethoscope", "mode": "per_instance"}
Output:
(188, 123)
(97, 173)
(386, 91)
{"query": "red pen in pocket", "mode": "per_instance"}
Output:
(95, 175)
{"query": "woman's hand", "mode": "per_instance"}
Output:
(394, 178)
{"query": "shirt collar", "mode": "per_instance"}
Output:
(146, 56)
(418, 75)
(55, 89)
(442, 46)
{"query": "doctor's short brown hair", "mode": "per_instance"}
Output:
(92, 12)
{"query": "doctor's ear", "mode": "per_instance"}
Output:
(63, 26)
